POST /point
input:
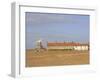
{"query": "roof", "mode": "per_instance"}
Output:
(65, 44)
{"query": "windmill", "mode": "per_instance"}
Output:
(39, 43)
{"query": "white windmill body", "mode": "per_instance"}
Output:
(38, 44)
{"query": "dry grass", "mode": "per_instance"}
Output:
(54, 58)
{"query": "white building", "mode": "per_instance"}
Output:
(67, 46)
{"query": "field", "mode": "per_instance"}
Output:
(55, 58)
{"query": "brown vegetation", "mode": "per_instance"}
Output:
(54, 58)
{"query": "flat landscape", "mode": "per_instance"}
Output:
(55, 58)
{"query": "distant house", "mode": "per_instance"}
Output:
(66, 46)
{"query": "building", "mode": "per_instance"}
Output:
(67, 46)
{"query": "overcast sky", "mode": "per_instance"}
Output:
(56, 27)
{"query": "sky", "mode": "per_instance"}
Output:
(51, 27)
